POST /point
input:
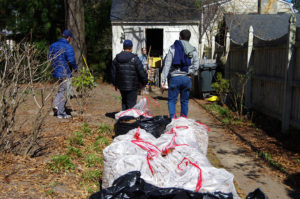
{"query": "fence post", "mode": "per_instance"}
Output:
(227, 48)
(287, 97)
(213, 46)
(248, 71)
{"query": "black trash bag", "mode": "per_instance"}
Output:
(155, 125)
(125, 124)
(257, 194)
(132, 186)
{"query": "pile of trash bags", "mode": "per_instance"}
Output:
(167, 160)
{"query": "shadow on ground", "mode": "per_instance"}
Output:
(160, 98)
(293, 181)
(111, 115)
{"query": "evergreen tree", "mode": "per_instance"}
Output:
(296, 4)
(39, 19)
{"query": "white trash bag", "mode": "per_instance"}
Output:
(164, 162)
(191, 132)
(140, 109)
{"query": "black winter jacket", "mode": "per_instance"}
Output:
(128, 72)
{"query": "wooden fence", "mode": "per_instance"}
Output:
(273, 72)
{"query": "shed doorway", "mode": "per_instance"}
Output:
(154, 38)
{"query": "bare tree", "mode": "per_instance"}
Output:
(21, 75)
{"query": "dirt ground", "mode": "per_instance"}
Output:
(25, 177)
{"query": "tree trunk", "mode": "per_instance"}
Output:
(75, 23)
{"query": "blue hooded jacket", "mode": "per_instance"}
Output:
(180, 59)
(63, 59)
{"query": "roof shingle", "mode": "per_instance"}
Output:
(154, 10)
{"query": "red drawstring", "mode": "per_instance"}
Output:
(138, 112)
(172, 131)
(171, 146)
(205, 126)
(151, 100)
(181, 115)
(137, 133)
(199, 183)
(150, 151)
(184, 127)
(154, 151)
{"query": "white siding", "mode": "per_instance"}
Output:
(251, 6)
(136, 33)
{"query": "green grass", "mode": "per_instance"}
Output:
(95, 147)
(76, 139)
(91, 175)
(61, 163)
(51, 192)
(298, 160)
(28, 91)
(99, 144)
(226, 115)
(93, 160)
(84, 150)
(104, 129)
(102, 140)
(73, 151)
(268, 157)
(85, 129)
(91, 190)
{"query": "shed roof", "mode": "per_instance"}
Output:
(266, 26)
(154, 11)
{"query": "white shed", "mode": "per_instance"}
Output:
(154, 23)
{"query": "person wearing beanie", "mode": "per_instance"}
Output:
(62, 57)
(128, 75)
(180, 63)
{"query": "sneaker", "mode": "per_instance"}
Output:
(64, 116)
(55, 109)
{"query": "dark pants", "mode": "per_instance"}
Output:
(128, 99)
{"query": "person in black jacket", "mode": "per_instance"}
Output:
(128, 75)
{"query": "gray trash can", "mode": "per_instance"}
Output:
(207, 72)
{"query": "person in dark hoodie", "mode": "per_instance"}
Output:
(180, 63)
(128, 75)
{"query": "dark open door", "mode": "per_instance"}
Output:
(154, 38)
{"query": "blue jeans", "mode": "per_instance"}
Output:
(182, 85)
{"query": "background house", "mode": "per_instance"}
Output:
(154, 23)
(263, 26)
(8, 37)
(214, 13)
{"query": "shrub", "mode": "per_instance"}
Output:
(222, 87)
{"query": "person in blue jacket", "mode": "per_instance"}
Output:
(62, 57)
